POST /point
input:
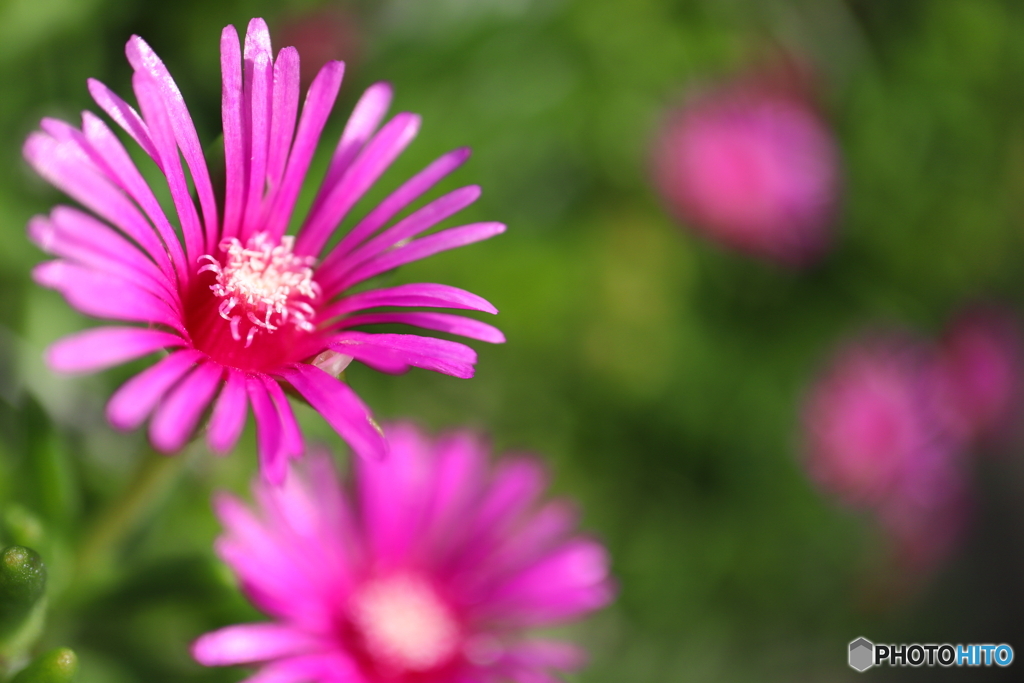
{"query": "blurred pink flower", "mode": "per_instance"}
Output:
(322, 35)
(433, 570)
(981, 357)
(876, 414)
(882, 435)
(244, 307)
(752, 166)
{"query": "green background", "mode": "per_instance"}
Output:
(659, 375)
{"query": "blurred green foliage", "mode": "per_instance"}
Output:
(658, 374)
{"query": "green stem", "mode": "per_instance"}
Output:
(149, 487)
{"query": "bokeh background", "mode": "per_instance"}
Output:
(660, 375)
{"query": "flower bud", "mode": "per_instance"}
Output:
(22, 584)
(56, 666)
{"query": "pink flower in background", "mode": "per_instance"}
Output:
(981, 357)
(244, 307)
(882, 434)
(321, 35)
(433, 570)
(876, 415)
(753, 167)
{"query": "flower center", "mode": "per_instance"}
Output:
(404, 623)
(264, 284)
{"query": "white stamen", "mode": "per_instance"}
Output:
(264, 282)
(404, 623)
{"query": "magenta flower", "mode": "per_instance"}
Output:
(244, 307)
(882, 435)
(753, 168)
(879, 412)
(433, 571)
(981, 357)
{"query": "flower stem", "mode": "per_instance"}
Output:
(156, 475)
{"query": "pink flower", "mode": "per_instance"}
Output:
(876, 414)
(754, 168)
(882, 435)
(433, 571)
(981, 357)
(243, 307)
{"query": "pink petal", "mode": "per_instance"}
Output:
(411, 190)
(143, 59)
(104, 347)
(442, 322)
(375, 158)
(279, 576)
(236, 136)
(420, 249)
(82, 239)
(258, 65)
(417, 222)
(432, 295)
(176, 417)
(393, 495)
(341, 408)
(154, 111)
(125, 116)
(285, 111)
(249, 643)
(61, 163)
(105, 295)
(546, 654)
(565, 584)
(323, 668)
(120, 167)
(291, 436)
(129, 406)
(228, 416)
(364, 121)
(273, 464)
(398, 352)
(458, 479)
(319, 101)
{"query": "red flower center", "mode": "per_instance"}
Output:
(257, 313)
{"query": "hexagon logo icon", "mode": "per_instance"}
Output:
(862, 654)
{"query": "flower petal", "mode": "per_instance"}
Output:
(319, 102)
(420, 294)
(143, 59)
(442, 322)
(228, 416)
(420, 249)
(63, 164)
(176, 417)
(236, 136)
(285, 110)
(125, 116)
(273, 464)
(340, 406)
(105, 295)
(292, 445)
(411, 190)
(396, 353)
(129, 406)
(374, 159)
(154, 111)
(363, 123)
(105, 347)
(249, 643)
